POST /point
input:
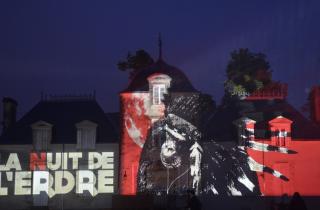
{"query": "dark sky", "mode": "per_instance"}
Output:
(72, 47)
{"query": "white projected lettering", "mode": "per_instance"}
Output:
(68, 179)
(24, 178)
(12, 163)
(58, 173)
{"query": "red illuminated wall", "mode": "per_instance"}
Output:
(135, 126)
(301, 168)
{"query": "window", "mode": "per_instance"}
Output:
(86, 134)
(282, 133)
(158, 85)
(158, 93)
(281, 137)
(41, 135)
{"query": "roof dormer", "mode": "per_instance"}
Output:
(245, 128)
(280, 128)
(41, 135)
(158, 87)
(86, 134)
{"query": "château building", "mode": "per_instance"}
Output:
(167, 138)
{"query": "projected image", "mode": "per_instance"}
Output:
(177, 157)
(55, 173)
(254, 142)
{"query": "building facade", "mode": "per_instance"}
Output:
(173, 138)
(63, 154)
(168, 137)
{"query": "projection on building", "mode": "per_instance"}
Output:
(169, 147)
(57, 173)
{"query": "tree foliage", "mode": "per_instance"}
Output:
(247, 72)
(134, 63)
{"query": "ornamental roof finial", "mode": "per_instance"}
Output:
(160, 46)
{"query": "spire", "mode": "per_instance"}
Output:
(160, 46)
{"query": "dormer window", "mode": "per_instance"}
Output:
(245, 130)
(282, 133)
(158, 86)
(158, 93)
(280, 128)
(86, 134)
(41, 135)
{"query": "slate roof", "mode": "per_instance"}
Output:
(221, 126)
(179, 83)
(114, 118)
(63, 115)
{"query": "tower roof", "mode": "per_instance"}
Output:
(179, 82)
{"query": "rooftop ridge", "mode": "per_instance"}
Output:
(68, 97)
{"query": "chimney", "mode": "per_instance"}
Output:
(314, 98)
(9, 113)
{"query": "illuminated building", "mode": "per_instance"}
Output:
(142, 105)
(259, 145)
(62, 154)
(168, 137)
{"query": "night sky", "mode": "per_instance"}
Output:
(72, 47)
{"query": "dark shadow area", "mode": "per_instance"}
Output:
(208, 202)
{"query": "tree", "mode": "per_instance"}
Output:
(246, 72)
(134, 63)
